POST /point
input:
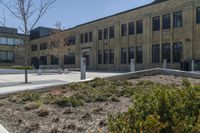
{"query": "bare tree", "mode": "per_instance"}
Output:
(28, 12)
(59, 43)
(3, 19)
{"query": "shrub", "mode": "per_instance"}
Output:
(160, 109)
(30, 97)
(43, 111)
(32, 105)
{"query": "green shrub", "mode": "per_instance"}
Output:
(29, 97)
(160, 109)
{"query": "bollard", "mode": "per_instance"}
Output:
(192, 67)
(165, 63)
(66, 71)
(39, 72)
(83, 68)
(132, 65)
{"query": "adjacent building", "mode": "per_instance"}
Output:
(11, 52)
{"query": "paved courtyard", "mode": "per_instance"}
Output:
(10, 83)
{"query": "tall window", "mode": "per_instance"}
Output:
(43, 60)
(90, 36)
(82, 38)
(166, 21)
(131, 54)
(139, 54)
(112, 32)
(123, 56)
(105, 33)
(111, 56)
(106, 57)
(43, 46)
(198, 15)
(86, 37)
(124, 29)
(178, 19)
(34, 48)
(100, 57)
(54, 60)
(177, 52)
(131, 28)
(139, 28)
(156, 23)
(100, 34)
(6, 57)
(166, 52)
(69, 59)
(156, 53)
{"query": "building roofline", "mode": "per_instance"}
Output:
(140, 7)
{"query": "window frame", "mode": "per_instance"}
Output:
(177, 50)
(131, 28)
(139, 54)
(156, 23)
(156, 53)
(123, 30)
(177, 19)
(166, 21)
(139, 27)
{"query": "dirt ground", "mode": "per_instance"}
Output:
(90, 118)
(165, 79)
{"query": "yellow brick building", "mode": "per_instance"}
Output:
(164, 29)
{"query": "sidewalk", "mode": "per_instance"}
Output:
(3, 130)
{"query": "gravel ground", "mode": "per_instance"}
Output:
(83, 119)
(165, 79)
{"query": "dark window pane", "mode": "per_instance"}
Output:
(166, 52)
(131, 54)
(43, 60)
(156, 53)
(34, 48)
(86, 37)
(123, 56)
(6, 57)
(111, 56)
(177, 52)
(124, 29)
(139, 54)
(100, 34)
(178, 22)
(54, 60)
(131, 28)
(198, 15)
(105, 33)
(82, 38)
(156, 23)
(166, 21)
(111, 32)
(139, 27)
(43, 46)
(90, 36)
(106, 57)
(69, 59)
(100, 57)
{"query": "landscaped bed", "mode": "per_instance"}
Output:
(173, 105)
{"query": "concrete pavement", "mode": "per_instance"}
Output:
(12, 83)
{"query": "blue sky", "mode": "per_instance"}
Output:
(75, 12)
